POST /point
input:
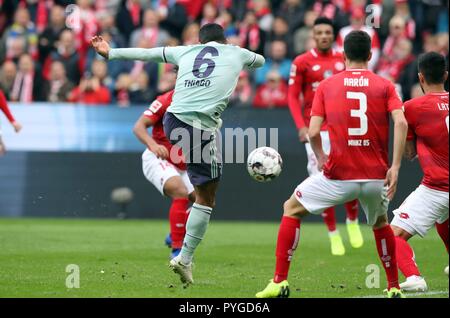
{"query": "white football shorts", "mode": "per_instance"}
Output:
(158, 171)
(318, 193)
(312, 161)
(421, 209)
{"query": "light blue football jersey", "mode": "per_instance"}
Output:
(207, 76)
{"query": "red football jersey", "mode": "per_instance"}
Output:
(156, 112)
(307, 71)
(356, 105)
(427, 118)
(4, 107)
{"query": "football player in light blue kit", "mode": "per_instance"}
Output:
(207, 75)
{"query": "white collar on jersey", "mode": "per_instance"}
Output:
(357, 69)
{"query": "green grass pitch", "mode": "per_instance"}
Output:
(236, 259)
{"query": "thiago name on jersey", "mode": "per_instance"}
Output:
(197, 83)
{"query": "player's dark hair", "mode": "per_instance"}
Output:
(211, 32)
(432, 65)
(357, 46)
(324, 20)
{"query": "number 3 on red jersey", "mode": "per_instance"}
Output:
(359, 113)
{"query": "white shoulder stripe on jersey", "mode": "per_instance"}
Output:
(254, 60)
(164, 55)
(313, 53)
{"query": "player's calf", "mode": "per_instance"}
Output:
(386, 247)
(177, 220)
(443, 230)
(406, 262)
(175, 188)
(287, 242)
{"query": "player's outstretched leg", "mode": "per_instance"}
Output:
(407, 265)
(353, 230)
(288, 238)
(196, 226)
(385, 241)
(406, 262)
(175, 188)
(195, 230)
(337, 246)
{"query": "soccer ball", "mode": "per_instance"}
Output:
(264, 164)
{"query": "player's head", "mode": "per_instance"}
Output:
(323, 33)
(211, 32)
(357, 47)
(432, 69)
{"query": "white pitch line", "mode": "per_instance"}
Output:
(431, 293)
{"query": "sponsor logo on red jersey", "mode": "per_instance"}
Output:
(404, 216)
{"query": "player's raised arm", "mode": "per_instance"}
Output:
(102, 47)
(251, 59)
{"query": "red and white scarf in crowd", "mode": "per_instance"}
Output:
(135, 12)
(42, 11)
(151, 36)
(222, 4)
(138, 68)
(55, 87)
(328, 10)
(252, 32)
(22, 90)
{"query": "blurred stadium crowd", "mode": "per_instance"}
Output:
(45, 53)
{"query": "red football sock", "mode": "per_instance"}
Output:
(385, 240)
(405, 258)
(177, 220)
(352, 208)
(288, 237)
(329, 217)
(442, 230)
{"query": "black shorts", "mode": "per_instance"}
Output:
(201, 149)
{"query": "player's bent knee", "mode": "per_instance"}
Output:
(293, 208)
(192, 196)
(175, 188)
(401, 232)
